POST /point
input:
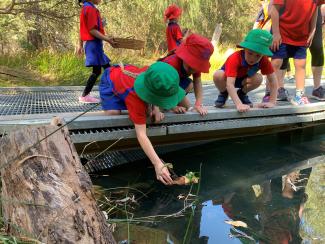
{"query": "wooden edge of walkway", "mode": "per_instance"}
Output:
(93, 120)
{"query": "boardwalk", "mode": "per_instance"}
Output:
(36, 106)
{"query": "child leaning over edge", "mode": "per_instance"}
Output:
(240, 71)
(92, 35)
(191, 58)
(135, 89)
(174, 34)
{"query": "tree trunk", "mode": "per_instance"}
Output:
(46, 193)
(216, 35)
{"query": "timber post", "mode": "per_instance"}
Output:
(46, 193)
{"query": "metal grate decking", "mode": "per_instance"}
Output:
(41, 102)
(113, 159)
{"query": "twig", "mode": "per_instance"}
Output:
(32, 156)
(116, 188)
(83, 150)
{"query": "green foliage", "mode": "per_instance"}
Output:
(57, 22)
(314, 214)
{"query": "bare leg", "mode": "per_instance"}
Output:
(189, 88)
(112, 112)
(317, 75)
(300, 74)
(252, 83)
(220, 80)
(276, 63)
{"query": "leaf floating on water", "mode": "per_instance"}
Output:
(184, 180)
(181, 196)
(237, 223)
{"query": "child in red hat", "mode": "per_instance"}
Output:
(192, 57)
(173, 31)
(92, 35)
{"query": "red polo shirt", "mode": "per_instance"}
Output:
(137, 108)
(90, 19)
(236, 65)
(177, 63)
(295, 20)
(173, 35)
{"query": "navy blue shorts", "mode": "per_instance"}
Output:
(238, 81)
(290, 51)
(109, 100)
(185, 82)
(95, 55)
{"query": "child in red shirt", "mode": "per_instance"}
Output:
(173, 31)
(135, 89)
(240, 71)
(293, 32)
(92, 35)
(191, 58)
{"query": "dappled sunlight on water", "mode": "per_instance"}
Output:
(267, 189)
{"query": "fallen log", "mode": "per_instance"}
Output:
(46, 193)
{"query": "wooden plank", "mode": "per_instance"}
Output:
(98, 120)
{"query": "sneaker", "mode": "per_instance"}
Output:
(244, 98)
(266, 97)
(221, 100)
(297, 100)
(289, 79)
(88, 99)
(283, 94)
(319, 93)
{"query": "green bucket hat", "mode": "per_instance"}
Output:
(258, 41)
(159, 86)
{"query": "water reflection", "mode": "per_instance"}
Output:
(271, 210)
(264, 182)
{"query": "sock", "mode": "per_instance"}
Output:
(299, 93)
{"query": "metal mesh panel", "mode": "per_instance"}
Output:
(19, 103)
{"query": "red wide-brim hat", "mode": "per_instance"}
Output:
(172, 12)
(196, 51)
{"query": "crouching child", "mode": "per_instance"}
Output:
(240, 72)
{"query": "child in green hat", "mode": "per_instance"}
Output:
(135, 89)
(240, 71)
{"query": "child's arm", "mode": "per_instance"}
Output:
(198, 91)
(277, 40)
(312, 27)
(156, 115)
(97, 34)
(162, 172)
(80, 48)
(273, 83)
(233, 94)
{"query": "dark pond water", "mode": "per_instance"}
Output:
(274, 184)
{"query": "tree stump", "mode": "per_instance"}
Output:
(46, 193)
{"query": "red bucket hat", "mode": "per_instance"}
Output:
(196, 51)
(172, 12)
